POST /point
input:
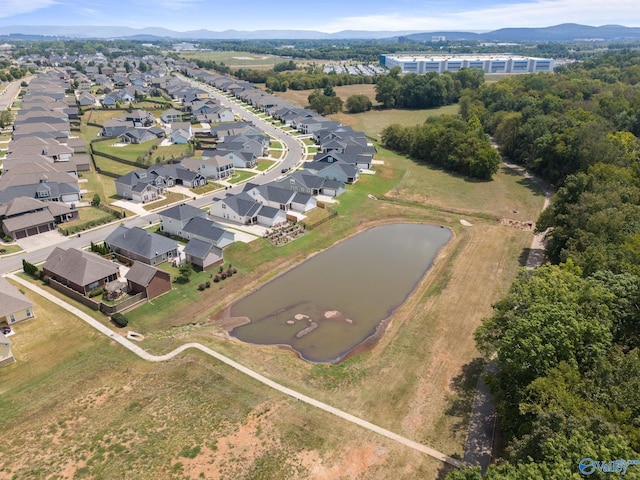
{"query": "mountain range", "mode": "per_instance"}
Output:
(558, 33)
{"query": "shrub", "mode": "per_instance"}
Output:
(7, 239)
(202, 286)
(216, 279)
(120, 320)
(95, 292)
(207, 284)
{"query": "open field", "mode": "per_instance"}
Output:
(93, 410)
(236, 59)
(375, 120)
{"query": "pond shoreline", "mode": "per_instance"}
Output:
(229, 323)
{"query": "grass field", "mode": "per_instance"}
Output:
(76, 405)
(236, 59)
(375, 120)
(240, 176)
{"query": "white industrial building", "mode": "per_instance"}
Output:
(453, 63)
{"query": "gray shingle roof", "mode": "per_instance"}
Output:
(141, 273)
(141, 242)
(11, 300)
(79, 267)
(204, 228)
(182, 212)
(198, 248)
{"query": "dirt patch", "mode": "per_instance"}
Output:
(354, 462)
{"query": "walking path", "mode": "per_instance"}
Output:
(255, 375)
(477, 448)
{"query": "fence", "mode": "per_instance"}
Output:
(101, 306)
(332, 214)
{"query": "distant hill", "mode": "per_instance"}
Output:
(558, 33)
(89, 31)
(565, 32)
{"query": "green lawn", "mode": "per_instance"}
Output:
(209, 187)
(308, 141)
(89, 214)
(275, 145)
(109, 165)
(170, 197)
(276, 153)
(264, 164)
(11, 248)
(100, 184)
(129, 152)
(240, 176)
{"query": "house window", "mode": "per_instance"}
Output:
(28, 312)
(93, 286)
(12, 318)
(224, 206)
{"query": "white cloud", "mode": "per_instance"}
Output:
(539, 13)
(11, 8)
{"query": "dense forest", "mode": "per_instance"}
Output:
(566, 337)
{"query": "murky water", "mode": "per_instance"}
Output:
(347, 291)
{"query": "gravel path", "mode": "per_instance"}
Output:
(251, 373)
(477, 448)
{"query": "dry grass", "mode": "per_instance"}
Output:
(373, 122)
(91, 409)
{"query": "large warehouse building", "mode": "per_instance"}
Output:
(451, 63)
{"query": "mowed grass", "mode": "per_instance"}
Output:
(374, 121)
(94, 410)
(236, 59)
(91, 409)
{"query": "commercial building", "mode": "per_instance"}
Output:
(453, 63)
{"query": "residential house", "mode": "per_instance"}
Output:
(241, 208)
(23, 217)
(171, 116)
(206, 230)
(140, 118)
(309, 183)
(273, 195)
(6, 355)
(339, 171)
(150, 280)
(136, 136)
(174, 219)
(211, 166)
(239, 159)
(79, 270)
(137, 244)
(86, 99)
(14, 306)
(203, 254)
(140, 186)
(115, 127)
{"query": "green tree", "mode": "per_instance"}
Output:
(358, 103)
(387, 88)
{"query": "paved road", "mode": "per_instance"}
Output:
(255, 375)
(294, 154)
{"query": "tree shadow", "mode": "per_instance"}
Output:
(464, 387)
(529, 183)
(445, 470)
(532, 257)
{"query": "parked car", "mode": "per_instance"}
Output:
(284, 170)
(5, 330)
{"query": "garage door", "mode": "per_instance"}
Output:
(20, 234)
(43, 228)
(32, 231)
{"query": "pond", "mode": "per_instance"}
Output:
(333, 302)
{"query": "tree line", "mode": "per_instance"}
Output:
(566, 337)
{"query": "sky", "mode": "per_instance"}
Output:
(325, 16)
